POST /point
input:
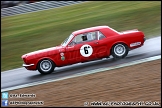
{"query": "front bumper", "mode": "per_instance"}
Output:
(25, 65)
(144, 39)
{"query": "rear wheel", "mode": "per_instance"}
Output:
(46, 66)
(119, 51)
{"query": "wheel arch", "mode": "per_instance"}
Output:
(39, 60)
(119, 42)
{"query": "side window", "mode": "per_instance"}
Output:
(100, 35)
(77, 39)
(90, 36)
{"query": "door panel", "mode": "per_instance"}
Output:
(102, 47)
(87, 47)
(82, 52)
(88, 50)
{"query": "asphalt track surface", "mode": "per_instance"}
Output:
(19, 76)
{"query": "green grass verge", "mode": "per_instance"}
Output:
(24, 33)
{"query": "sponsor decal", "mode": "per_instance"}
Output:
(62, 56)
(135, 44)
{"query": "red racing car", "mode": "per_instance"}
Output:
(84, 45)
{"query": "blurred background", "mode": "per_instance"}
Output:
(6, 4)
(25, 29)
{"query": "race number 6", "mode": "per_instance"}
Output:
(86, 50)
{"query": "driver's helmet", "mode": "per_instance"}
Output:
(84, 38)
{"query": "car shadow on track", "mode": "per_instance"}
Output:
(75, 67)
(81, 67)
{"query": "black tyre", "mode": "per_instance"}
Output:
(119, 51)
(46, 66)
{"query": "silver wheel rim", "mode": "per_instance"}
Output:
(119, 50)
(45, 65)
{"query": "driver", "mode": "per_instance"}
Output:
(84, 38)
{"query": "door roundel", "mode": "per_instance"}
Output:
(86, 50)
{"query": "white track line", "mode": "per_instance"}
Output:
(84, 73)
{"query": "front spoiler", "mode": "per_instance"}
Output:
(25, 65)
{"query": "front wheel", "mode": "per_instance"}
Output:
(46, 66)
(119, 51)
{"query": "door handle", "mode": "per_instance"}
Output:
(96, 42)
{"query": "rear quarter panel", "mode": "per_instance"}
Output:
(134, 37)
(126, 38)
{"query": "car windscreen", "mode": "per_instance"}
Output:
(67, 40)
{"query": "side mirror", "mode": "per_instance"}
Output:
(72, 44)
